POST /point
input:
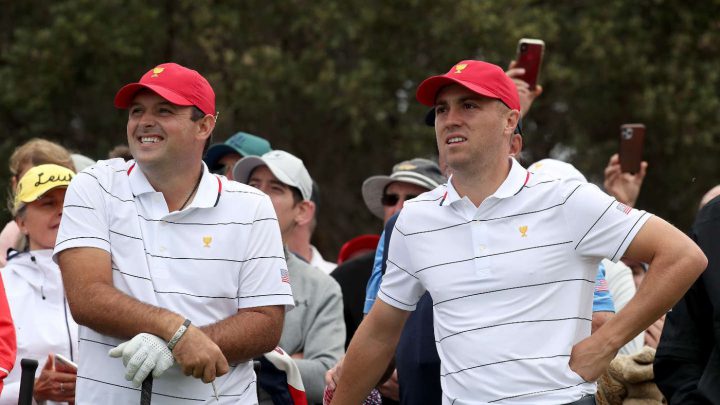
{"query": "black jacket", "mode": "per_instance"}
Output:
(687, 363)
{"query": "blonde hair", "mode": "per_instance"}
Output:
(39, 152)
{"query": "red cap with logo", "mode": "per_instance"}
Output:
(176, 84)
(483, 78)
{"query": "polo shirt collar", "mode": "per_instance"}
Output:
(514, 182)
(206, 196)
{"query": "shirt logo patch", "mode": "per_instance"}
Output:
(207, 240)
(623, 208)
(157, 71)
(523, 231)
(459, 67)
(284, 276)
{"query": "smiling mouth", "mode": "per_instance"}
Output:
(455, 139)
(149, 139)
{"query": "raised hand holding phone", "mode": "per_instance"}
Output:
(529, 57)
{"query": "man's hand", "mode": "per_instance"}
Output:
(391, 388)
(591, 357)
(199, 356)
(54, 385)
(526, 95)
(332, 376)
(143, 354)
(625, 187)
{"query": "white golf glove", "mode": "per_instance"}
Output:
(141, 355)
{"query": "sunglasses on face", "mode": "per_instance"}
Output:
(390, 200)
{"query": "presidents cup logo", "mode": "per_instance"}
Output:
(157, 71)
(523, 231)
(459, 67)
(207, 240)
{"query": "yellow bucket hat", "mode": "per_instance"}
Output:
(38, 181)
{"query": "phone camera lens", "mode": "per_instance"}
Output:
(523, 47)
(627, 133)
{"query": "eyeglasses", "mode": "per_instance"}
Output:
(390, 200)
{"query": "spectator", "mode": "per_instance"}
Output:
(43, 323)
(298, 240)
(687, 362)
(314, 332)
(32, 153)
(384, 196)
(147, 245)
(504, 272)
(712, 193)
(221, 157)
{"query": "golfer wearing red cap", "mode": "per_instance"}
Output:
(174, 270)
(510, 258)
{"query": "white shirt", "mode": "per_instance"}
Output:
(511, 281)
(316, 260)
(218, 255)
(42, 325)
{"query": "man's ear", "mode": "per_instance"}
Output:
(511, 120)
(206, 125)
(516, 144)
(306, 212)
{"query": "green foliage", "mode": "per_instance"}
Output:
(334, 81)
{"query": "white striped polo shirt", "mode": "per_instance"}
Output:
(222, 253)
(511, 281)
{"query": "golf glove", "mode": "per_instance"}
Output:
(143, 354)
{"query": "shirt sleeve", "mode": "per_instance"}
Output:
(400, 287)
(373, 285)
(8, 346)
(264, 278)
(602, 226)
(324, 340)
(84, 221)
(602, 300)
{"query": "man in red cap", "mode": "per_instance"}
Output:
(510, 259)
(152, 247)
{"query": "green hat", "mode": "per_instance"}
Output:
(241, 143)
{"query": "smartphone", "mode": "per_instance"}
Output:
(529, 56)
(632, 137)
(64, 364)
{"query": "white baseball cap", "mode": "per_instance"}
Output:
(286, 167)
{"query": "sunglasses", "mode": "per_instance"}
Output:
(390, 200)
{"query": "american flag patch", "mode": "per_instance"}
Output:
(623, 208)
(284, 276)
(601, 286)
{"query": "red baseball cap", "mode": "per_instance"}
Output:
(483, 78)
(356, 245)
(176, 84)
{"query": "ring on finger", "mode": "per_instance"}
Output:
(62, 389)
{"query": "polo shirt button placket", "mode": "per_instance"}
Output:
(481, 260)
